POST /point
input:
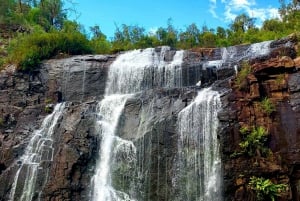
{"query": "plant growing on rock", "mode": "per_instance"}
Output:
(267, 106)
(265, 189)
(241, 78)
(280, 79)
(254, 141)
(1, 122)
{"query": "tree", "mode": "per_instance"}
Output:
(208, 39)
(96, 31)
(6, 10)
(221, 32)
(52, 11)
(171, 38)
(242, 23)
(190, 37)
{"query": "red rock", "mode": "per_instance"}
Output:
(287, 62)
(297, 62)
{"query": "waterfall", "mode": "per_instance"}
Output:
(130, 73)
(230, 56)
(110, 109)
(139, 70)
(83, 83)
(198, 165)
(33, 172)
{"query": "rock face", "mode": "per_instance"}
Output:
(149, 120)
(275, 78)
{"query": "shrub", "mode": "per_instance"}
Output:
(267, 106)
(265, 189)
(254, 141)
(27, 51)
(242, 75)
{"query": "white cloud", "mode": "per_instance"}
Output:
(229, 16)
(212, 8)
(235, 7)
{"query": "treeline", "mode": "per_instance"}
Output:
(47, 32)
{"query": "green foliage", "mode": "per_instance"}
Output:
(48, 100)
(50, 33)
(1, 122)
(48, 108)
(1, 63)
(28, 50)
(241, 80)
(254, 141)
(265, 189)
(280, 79)
(267, 106)
(208, 39)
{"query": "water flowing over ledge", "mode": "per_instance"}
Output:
(38, 153)
(198, 166)
(121, 172)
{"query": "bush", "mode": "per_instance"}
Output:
(27, 51)
(267, 106)
(254, 141)
(265, 189)
(241, 80)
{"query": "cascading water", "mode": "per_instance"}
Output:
(110, 109)
(230, 56)
(198, 165)
(139, 70)
(131, 72)
(32, 174)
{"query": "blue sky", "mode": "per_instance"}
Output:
(152, 14)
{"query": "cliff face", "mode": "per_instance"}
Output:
(274, 78)
(149, 120)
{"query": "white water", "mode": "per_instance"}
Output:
(230, 56)
(198, 176)
(139, 70)
(83, 83)
(131, 72)
(38, 152)
(110, 109)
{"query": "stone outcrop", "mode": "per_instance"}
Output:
(276, 78)
(25, 98)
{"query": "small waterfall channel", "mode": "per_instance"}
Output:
(198, 174)
(33, 172)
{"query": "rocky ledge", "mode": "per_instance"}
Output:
(275, 78)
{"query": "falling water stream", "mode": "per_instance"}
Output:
(31, 175)
(198, 176)
(130, 73)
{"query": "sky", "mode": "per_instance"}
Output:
(152, 14)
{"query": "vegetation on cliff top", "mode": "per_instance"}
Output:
(44, 31)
